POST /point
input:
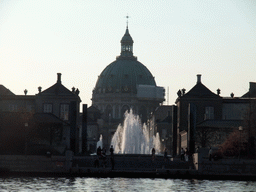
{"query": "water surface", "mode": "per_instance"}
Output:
(120, 184)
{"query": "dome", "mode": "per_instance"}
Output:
(124, 75)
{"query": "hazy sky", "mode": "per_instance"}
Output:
(174, 39)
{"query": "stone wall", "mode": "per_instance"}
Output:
(22, 163)
(231, 167)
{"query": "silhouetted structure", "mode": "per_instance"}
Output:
(34, 124)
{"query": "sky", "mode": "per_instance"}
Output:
(174, 39)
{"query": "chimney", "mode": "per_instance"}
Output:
(59, 78)
(77, 92)
(199, 78)
(183, 91)
(73, 89)
(39, 89)
(218, 91)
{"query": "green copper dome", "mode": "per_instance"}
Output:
(124, 74)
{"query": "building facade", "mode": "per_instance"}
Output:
(205, 119)
(44, 120)
(123, 85)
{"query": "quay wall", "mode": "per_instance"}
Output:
(128, 164)
(26, 163)
(204, 166)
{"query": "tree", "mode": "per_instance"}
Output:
(203, 136)
(209, 137)
(234, 144)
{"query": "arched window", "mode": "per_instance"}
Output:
(124, 109)
(108, 112)
(134, 109)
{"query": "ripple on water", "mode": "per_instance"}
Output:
(120, 184)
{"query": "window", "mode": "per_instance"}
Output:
(30, 108)
(64, 109)
(47, 108)
(209, 113)
(13, 108)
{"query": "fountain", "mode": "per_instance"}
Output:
(134, 138)
(100, 142)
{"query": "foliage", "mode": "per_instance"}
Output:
(235, 141)
(206, 137)
(247, 136)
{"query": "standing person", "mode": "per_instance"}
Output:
(111, 150)
(103, 155)
(104, 152)
(210, 154)
(99, 151)
(165, 154)
(182, 153)
(97, 160)
(153, 153)
(186, 154)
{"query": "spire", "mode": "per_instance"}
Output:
(127, 17)
(127, 43)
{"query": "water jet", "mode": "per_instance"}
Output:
(133, 137)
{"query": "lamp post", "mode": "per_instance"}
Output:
(240, 128)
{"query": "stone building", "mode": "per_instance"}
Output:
(205, 119)
(123, 85)
(196, 105)
(40, 122)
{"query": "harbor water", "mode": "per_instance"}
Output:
(120, 184)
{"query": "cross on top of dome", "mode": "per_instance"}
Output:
(127, 17)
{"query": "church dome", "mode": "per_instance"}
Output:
(124, 74)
